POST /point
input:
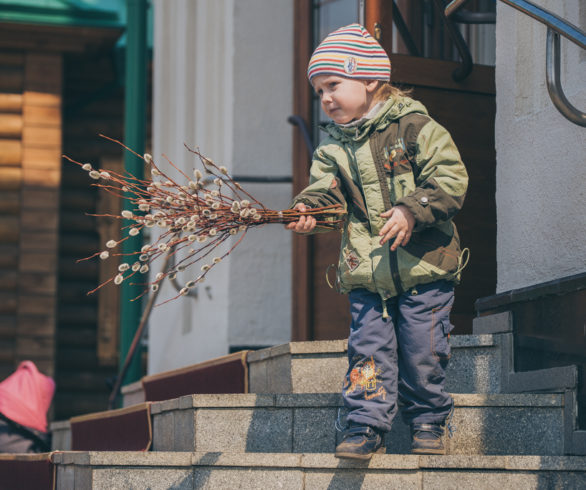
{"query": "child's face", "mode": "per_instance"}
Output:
(344, 99)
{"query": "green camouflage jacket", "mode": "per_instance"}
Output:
(400, 156)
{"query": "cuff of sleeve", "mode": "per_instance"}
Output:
(418, 204)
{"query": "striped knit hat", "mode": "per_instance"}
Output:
(350, 52)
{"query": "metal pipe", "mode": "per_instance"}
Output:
(467, 17)
(554, 86)
(134, 137)
(466, 66)
(404, 31)
(454, 6)
(559, 25)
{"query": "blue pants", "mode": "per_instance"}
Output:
(399, 358)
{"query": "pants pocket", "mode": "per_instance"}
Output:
(440, 334)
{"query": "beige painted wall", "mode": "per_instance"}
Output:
(541, 156)
(223, 81)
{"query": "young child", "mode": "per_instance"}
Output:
(399, 175)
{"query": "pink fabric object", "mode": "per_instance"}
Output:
(25, 396)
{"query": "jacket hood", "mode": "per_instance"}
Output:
(394, 108)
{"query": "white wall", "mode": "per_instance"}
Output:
(223, 82)
(541, 162)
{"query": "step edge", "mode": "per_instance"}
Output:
(300, 400)
(320, 461)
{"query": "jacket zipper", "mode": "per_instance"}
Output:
(386, 195)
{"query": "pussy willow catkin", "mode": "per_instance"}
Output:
(194, 217)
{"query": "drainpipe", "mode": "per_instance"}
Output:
(134, 137)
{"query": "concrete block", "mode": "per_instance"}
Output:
(485, 424)
(278, 371)
(65, 477)
(60, 435)
(318, 374)
(503, 430)
(481, 480)
(140, 470)
(312, 430)
(257, 376)
(164, 431)
(132, 394)
(248, 478)
(474, 372)
(578, 445)
(184, 430)
(142, 478)
(308, 400)
(229, 400)
(317, 367)
(493, 324)
(244, 430)
(550, 379)
(346, 479)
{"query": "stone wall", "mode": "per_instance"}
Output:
(541, 168)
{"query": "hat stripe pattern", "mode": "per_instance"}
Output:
(350, 52)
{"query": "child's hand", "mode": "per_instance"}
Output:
(399, 225)
(305, 223)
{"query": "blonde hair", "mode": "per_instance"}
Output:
(386, 90)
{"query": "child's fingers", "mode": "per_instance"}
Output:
(398, 241)
(387, 227)
(388, 231)
(406, 239)
(304, 223)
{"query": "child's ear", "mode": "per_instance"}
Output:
(371, 85)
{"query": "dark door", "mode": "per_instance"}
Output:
(467, 110)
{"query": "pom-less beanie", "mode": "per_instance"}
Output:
(25, 396)
(350, 52)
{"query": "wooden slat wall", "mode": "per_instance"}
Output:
(41, 176)
(88, 326)
(93, 104)
(109, 297)
(11, 102)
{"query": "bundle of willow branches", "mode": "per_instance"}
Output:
(196, 217)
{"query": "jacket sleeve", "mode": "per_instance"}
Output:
(325, 187)
(441, 179)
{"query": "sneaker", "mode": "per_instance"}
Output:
(360, 442)
(427, 439)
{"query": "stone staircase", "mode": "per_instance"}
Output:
(513, 430)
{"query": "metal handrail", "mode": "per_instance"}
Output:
(559, 25)
(465, 68)
(554, 85)
(556, 27)
(399, 22)
(468, 17)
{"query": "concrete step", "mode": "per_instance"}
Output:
(476, 366)
(205, 470)
(304, 423)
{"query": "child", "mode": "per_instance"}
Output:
(400, 177)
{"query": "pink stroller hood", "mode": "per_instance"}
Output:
(25, 396)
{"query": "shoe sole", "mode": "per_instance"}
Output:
(429, 451)
(361, 457)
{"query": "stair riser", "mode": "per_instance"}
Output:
(470, 370)
(310, 429)
(211, 477)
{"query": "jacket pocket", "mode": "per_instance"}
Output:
(436, 248)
